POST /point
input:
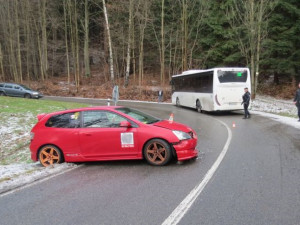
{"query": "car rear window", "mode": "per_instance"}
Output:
(66, 120)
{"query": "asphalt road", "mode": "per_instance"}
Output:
(258, 181)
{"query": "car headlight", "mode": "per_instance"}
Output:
(35, 93)
(181, 135)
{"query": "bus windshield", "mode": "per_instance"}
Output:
(232, 76)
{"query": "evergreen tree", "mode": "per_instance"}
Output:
(281, 56)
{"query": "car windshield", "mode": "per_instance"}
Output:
(232, 76)
(26, 88)
(140, 116)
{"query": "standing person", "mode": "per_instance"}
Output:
(297, 100)
(246, 102)
(160, 96)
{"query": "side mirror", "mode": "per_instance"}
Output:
(125, 124)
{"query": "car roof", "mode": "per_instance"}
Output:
(109, 108)
(10, 83)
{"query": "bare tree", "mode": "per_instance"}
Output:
(66, 39)
(248, 19)
(111, 60)
(86, 39)
(129, 42)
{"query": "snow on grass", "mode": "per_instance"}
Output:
(272, 105)
(282, 111)
(15, 136)
(16, 175)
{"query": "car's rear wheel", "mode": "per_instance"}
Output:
(157, 152)
(2, 93)
(49, 155)
(27, 96)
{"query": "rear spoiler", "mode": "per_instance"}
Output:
(41, 116)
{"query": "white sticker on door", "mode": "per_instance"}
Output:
(127, 140)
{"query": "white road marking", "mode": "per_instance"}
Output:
(185, 205)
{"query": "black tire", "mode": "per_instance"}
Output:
(2, 93)
(177, 102)
(157, 152)
(27, 96)
(198, 106)
(49, 155)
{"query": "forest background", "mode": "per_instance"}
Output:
(85, 47)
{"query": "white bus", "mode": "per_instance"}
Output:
(212, 89)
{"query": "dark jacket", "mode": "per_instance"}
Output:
(246, 98)
(297, 97)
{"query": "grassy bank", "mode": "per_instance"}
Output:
(17, 117)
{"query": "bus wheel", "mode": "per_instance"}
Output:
(177, 102)
(198, 106)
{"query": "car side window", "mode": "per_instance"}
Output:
(101, 119)
(66, 120)
(8, 86)
(1, 85)
(16, 87)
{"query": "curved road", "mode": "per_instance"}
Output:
(258, 181)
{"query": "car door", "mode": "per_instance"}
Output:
(18, 91)
(102, 138)
(9, 89)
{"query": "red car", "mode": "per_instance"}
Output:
(109, 133)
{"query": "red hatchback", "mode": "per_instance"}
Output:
(109, 133)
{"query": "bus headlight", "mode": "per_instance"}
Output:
(181, 135)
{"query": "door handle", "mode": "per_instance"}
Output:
(87, 134)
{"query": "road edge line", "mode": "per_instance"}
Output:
(179, 212)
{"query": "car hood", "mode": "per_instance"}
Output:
(171, 125)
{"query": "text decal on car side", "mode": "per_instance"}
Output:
(127, 140)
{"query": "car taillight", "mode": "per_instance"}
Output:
(31, 136)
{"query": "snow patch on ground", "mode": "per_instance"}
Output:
(14, 142)
(283, 111)
(17, 175)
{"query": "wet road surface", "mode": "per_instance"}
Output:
(258, 182)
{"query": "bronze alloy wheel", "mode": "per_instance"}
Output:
(50, 155)
(157, 152)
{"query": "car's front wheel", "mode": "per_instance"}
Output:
(157, 152)
(49, 155)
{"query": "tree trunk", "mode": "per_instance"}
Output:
(44, 45)
(111, 61)
(66, 39)
(162, 60)
(129, 43)
(2, 75)
(86, 40)
(19, 71)
(184, 35)
(77, 66)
